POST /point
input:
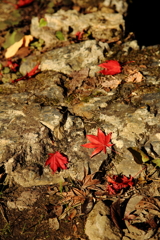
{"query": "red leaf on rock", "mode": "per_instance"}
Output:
(56, 160)
(29, 74)
(100, 142)
(22, 3)
(112, 67)
(116, 183)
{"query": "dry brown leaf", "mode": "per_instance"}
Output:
(111, 84)
(75, 197)
(87, 206)
(12, 50)
(23, 52)
(136, 77)
(117, 213)
(58, 209)
(72, 214)
(89, 182)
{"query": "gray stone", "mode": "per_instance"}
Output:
(53, 223)
(68, 59)
(98, 224)
(73, 57)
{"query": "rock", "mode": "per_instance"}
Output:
(73, 57)
(29, 178)
(120, 6)
(152, 145)
(130, 45)
(53, 223)
(88, 109)
(78, 22)
(98, 224)
(68, 59)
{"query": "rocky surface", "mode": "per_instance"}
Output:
(98, 225)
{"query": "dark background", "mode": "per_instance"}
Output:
(143, 19)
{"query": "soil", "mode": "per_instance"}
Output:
(32, 223)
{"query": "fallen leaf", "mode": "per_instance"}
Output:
(89, 182)
(136, 77)
(117, 182)
(13, 66)
(28, 75)
(99, 142)
(60, 35)
(112, 83)
(42, 22)
(11, 51)
(23, 52)
(117, 213)
(79, 35)
(22, 3)
(112, 67)
(72, 214)
(56, 160)
(74, 197)
(11, 38)
(156, 162)
(139, 156)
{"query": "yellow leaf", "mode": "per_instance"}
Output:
(11, 51)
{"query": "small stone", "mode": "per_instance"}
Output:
(98, 225)
(53, 223)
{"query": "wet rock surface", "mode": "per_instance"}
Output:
(69, 99)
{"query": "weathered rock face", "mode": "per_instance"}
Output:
(98, 224)
(28, 128)
(99, 24)
(68, 59)
(38, 112)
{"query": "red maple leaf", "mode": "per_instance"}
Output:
(56, 160)
(100, 142)
(22, 3)
(112, 67)
(118, 182)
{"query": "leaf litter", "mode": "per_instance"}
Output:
(79, 196)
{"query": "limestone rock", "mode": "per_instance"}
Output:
(70, 58)
(78, 22)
